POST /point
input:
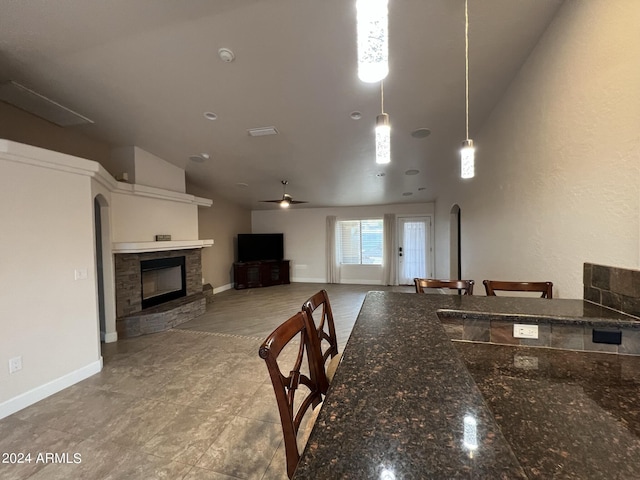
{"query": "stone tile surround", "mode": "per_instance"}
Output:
(128, 276)
(552, 335)
(131, 319)
(613, 287)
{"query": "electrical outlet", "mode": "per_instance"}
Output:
(80, 274)
(525, 331)
(15, 364)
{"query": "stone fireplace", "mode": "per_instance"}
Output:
(157, 290)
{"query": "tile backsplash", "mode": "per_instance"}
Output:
(613, 287)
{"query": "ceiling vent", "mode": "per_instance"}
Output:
(32, 102)
(262, 131)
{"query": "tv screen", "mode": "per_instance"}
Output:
(253, 247)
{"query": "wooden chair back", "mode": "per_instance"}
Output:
(294, 333)
(325, 328)
(545, 288)
(465, 286)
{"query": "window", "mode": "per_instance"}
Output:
(360, 242)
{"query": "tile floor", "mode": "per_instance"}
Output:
(192, 403)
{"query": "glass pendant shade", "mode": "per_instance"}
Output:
(383, 139)
(467, 159)
(373, 39)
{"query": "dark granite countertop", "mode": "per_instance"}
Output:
(533, 310)
(566, 415)
(397, 404)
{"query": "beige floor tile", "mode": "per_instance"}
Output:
(187, 436)
(244, 449)
(163, 401)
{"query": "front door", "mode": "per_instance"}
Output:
(414, 249)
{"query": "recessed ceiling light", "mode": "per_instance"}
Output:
(206, 156)
(242, 185)
(210, 116)
(196, 158)
(356, 115)
(412, 172)
(421, 133)
(226, 55)
(407, 194)
(381, 174)
(262, 131)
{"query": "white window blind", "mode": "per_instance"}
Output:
(360, 242)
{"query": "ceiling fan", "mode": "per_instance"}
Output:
(286, 199)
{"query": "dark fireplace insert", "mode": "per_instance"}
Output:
(163, 279)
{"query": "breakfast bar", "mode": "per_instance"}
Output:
(408, 403)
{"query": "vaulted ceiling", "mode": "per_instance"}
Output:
(146, 71)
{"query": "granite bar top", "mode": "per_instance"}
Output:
(538, 310)
(565, 414)
(397, 404)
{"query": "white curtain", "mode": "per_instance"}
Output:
(333, 267)
(415, 237)
(389, 259)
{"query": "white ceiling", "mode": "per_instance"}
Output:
(146, 70)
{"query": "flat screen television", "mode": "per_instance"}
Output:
(253, 247)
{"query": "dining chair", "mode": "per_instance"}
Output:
(545, 288)
(466, 286)
(293, 336)
(325, 328)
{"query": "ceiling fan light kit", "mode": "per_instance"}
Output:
(286, 199)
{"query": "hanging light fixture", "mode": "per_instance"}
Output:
(467, 153)
(383, 133)
(373, 39)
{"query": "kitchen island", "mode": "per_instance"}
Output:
(407, 402)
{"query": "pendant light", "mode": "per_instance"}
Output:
(467, 153)
(373, 39)
(383, 133)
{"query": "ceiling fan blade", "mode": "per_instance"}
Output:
(271, 201)
(297, 201)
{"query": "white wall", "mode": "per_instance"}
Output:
(558, 161)
(144, 168)
(305, 237)
(46, 316)
(140, 219)
(156, 172)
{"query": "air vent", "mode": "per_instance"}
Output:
(262, 131)
(39, 105)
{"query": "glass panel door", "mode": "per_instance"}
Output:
(414, 248)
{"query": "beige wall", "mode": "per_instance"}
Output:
(47, 317)
(222, 222)
(558, 161)
(20, 126)
(305, 237)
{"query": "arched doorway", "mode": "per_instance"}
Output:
(455, 266)
(104, 269)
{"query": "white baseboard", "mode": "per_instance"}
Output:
(356, 281)
(111, 337)
(223, 288)
(23, 400)
(308, 280)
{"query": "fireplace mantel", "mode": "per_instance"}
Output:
(141, 247)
